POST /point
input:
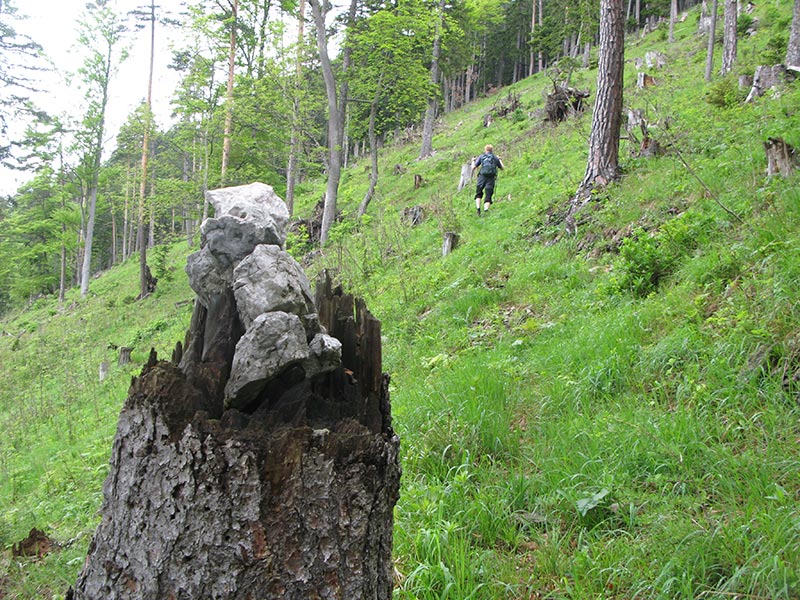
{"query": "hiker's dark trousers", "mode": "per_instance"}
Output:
(485, 184)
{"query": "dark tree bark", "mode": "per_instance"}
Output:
(729, 37)
(603, 164)
(793, 48)
(292, 500)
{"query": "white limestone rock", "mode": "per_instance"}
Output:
(244, 216)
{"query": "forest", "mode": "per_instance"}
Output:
(596, 392)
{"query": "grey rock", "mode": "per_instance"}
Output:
(270, 280)
(206, 276)
(325, 355)
(274, 342)
(251, 213)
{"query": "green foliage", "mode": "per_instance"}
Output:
(775, 52)
(161, 267)
(649, 257)
(725, 93)
(743, 23)
(298, 242)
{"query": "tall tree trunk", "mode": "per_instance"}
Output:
(144, 279)
(603, 164)
(793, 48)
(430, 112)
(531, 71)
(729, 39)
(125, 209)
(541, 24)
(62, 279)
(151, 229)
(113, 233)
(226, 136)
(94, 177)
(468, 80)
(335, 123)
(712, 32)
(673, 16)
(294, 142)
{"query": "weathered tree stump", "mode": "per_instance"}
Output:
(124, 355)
(291, 495)
(36, 545)
(413, 215)
(765, 78)
(563, 102)
(466, 175)
(449, 243)
(782, 158)
(643, 80)
(150, 285)
(104, 367)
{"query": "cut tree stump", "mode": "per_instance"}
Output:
(124, 355)
(563, 102)
(782, 158)
(765, 78)
(292, 500)
(449, 243)
(466, 175)
(413, 215)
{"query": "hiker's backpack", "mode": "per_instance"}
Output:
(488, 165)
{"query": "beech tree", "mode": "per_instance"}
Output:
(337, 100)
(673, 16)
(603, 164)
(226, 136)
(144, 273)
(389, 78)
(101, 31)
(433, 99)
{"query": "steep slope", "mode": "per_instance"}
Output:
(613, 414)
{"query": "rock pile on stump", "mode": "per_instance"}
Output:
(260, 462)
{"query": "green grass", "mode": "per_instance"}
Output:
(609, 415)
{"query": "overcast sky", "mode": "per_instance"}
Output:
(53, 24)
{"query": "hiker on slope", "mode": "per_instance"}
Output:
(487, 165)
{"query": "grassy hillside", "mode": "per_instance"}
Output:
(607, 415)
